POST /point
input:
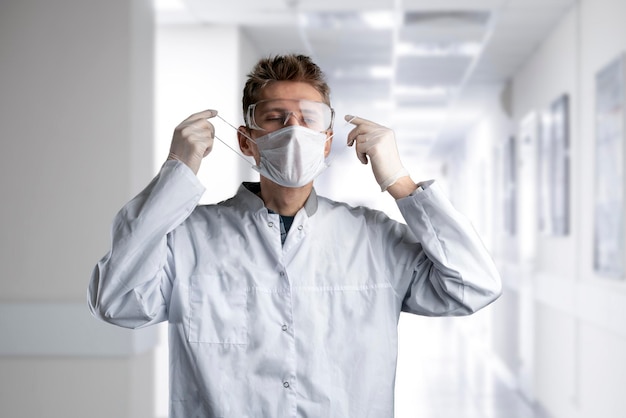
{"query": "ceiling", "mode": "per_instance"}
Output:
(419, 66)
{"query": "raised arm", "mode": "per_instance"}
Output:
(131, 285)
(453, 273)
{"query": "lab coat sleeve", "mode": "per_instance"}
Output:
(131, 285)
(453, 274)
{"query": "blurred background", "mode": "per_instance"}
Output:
(516, 107)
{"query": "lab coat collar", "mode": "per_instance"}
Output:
(249, 192)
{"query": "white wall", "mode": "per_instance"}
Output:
(76, 129)
(553, 71)
(557, 316)
(601, 301)
(198, 68)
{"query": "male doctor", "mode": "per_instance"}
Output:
(280, 302)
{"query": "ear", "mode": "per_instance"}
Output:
(329, 143)
(244, 145)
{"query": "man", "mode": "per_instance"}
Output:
(282, 303)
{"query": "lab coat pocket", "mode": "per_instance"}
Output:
(217, 310)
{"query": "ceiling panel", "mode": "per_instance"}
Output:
(539, 4)
(341, 5)
(359, 90)
(420, 100)
(526, 20)
(274, 39)
(460, 34)
(453, 4)
(346, 48)
(431, 71)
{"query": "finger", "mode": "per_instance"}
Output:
(361, 156)
(355, 120)
(199, 129)
(349, 118)
(352, 135)
(201, 143)
(202, 125)
(205, 114)
(208, 149)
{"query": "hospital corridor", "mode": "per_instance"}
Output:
(515, 108)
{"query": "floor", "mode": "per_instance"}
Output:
(441, 374)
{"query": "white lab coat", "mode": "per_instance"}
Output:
(304, 329)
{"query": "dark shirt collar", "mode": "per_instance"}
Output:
(310, 206)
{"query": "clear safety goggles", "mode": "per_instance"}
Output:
(274, 114)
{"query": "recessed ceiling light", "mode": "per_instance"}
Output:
(381, 72)
(421, 91)
(377, 72)
(378, 20)
(348, 20)
(438, 49)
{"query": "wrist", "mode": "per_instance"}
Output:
(193, 167)
(389, 180)
(402, 187)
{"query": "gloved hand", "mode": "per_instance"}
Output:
(379, 144)
(193, 139)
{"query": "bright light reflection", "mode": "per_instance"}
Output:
(378, 20)
(438, 50)
(381, 72)
(377, 72)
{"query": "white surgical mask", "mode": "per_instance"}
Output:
(292, 156)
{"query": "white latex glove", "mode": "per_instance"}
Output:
(379, 144)
(193, 139)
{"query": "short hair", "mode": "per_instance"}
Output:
(291, 67)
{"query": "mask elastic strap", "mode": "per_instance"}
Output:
(231, 148)
(346, 123)
(235, 128)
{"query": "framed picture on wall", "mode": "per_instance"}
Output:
(609, 231)
(554, 169)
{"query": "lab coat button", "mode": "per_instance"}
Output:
(285, 384)
(300, 227)
(270, 224)
(284, 327)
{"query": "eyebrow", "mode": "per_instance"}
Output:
(283, 102)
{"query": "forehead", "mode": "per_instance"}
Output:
(290, 90)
